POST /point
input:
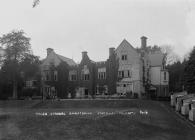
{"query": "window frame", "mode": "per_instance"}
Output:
(165, 75)
(101, 75)
(124, 57)
(55, 75)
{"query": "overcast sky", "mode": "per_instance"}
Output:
(73, 26)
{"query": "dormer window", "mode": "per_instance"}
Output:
(101, 73)
(73, 75)
(124, 57)
(85, 74)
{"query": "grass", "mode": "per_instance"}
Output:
(93, 104)
(157, 124)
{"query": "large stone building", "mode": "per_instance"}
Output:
(136, 72)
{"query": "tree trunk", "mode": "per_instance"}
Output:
(15, 95)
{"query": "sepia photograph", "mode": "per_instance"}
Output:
(97, 70)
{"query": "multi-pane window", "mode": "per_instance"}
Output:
(101, 89)
(124, 73)
(86, 76)
(29, 84)
(124, 57)
(47, 89)
(121, 74)
(55, 76)
(85, 73)
(47, 76)
(128, 73)
(101, 73)
(165, 76)
(73, 75)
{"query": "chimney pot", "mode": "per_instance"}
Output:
(111, 51)
(49, 50)
(84, 54)
(143, 42)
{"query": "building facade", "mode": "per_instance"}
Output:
(127, 71)
(159, 76)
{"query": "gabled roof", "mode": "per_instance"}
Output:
(67, 60)
(56, 58)
(126, 43)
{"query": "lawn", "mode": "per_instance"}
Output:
(91, 120)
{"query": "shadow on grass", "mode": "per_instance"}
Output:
(158, 124)
(112, 127)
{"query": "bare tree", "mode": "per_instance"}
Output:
(169, 55)
(35, 3)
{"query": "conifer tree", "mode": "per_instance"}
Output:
(189, 73)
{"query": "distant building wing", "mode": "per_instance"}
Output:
(67, 60)
(156, 59)
(55, 59)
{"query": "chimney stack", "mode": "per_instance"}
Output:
(143, 42)
(84, 54)
(49, 50)
(111, 51)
